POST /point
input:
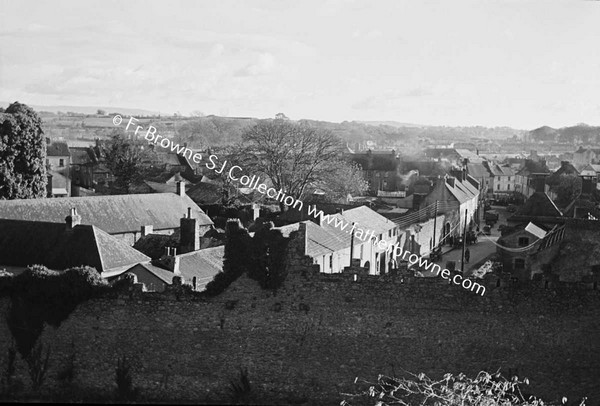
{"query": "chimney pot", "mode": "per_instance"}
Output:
(181, 188)
(73, 219)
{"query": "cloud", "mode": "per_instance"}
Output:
(264, 64)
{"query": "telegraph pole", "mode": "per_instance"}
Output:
(352, 245)
(462, 265)
(434, 222)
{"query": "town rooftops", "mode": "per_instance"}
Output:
(57, 247)
(477, 170)
(463, 191)
(57, 149)
(202, 265)
(539, 205)
(324, 239)
(115, 214)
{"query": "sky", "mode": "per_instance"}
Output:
(522, 64)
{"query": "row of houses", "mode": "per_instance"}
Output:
(104, 232)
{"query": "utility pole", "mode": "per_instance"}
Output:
(434, 222)
(352, 245)
(462, 265)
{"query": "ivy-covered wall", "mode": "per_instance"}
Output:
(313, 337)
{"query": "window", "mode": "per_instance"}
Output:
(390, 233)
(331, 261)
(523, 241)
(61, 162)
(507, 187)
(361, 251)
(519, 263)
(509, 178)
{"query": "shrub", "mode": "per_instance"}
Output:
(40, 296)
(453, 390)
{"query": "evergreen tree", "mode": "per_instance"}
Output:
(22, 154)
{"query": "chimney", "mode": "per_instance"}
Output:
(317, 219)
(255, 211)
(189, 231)
(303, 236)
(539, 182)
(170, 260)
(181, 188)
(147, 230)
(73, 219)
(587, 185)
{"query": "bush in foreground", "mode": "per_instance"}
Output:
(453, 390)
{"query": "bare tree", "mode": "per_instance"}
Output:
(295, 157)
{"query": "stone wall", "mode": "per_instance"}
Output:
(318, 333)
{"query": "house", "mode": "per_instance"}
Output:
(63, 245)
(524, 178)
(538, 208)
(122, 216)
(87, 170)
(379, 169)
(58, 185)
(503, 179)
(449, 155)
(584, 156)
(481, 174)
(196, 268)
(527, 251)
(58, 157)
(58, 160)
(460, 191)
(332, 247)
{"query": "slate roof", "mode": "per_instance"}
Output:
(161, 187)
(462, 191)
(202, 264)
(530, 167)
(539, 204)
(367, 219)
(115, 214)
(82, 156)
(329, 238)
(57, 149)
(26, 243)
(477, 170)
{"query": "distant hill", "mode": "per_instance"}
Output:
(580, 133)
(544, 133)
(391, 124)
(90, 109)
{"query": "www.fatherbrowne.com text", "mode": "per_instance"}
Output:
(394, 250)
